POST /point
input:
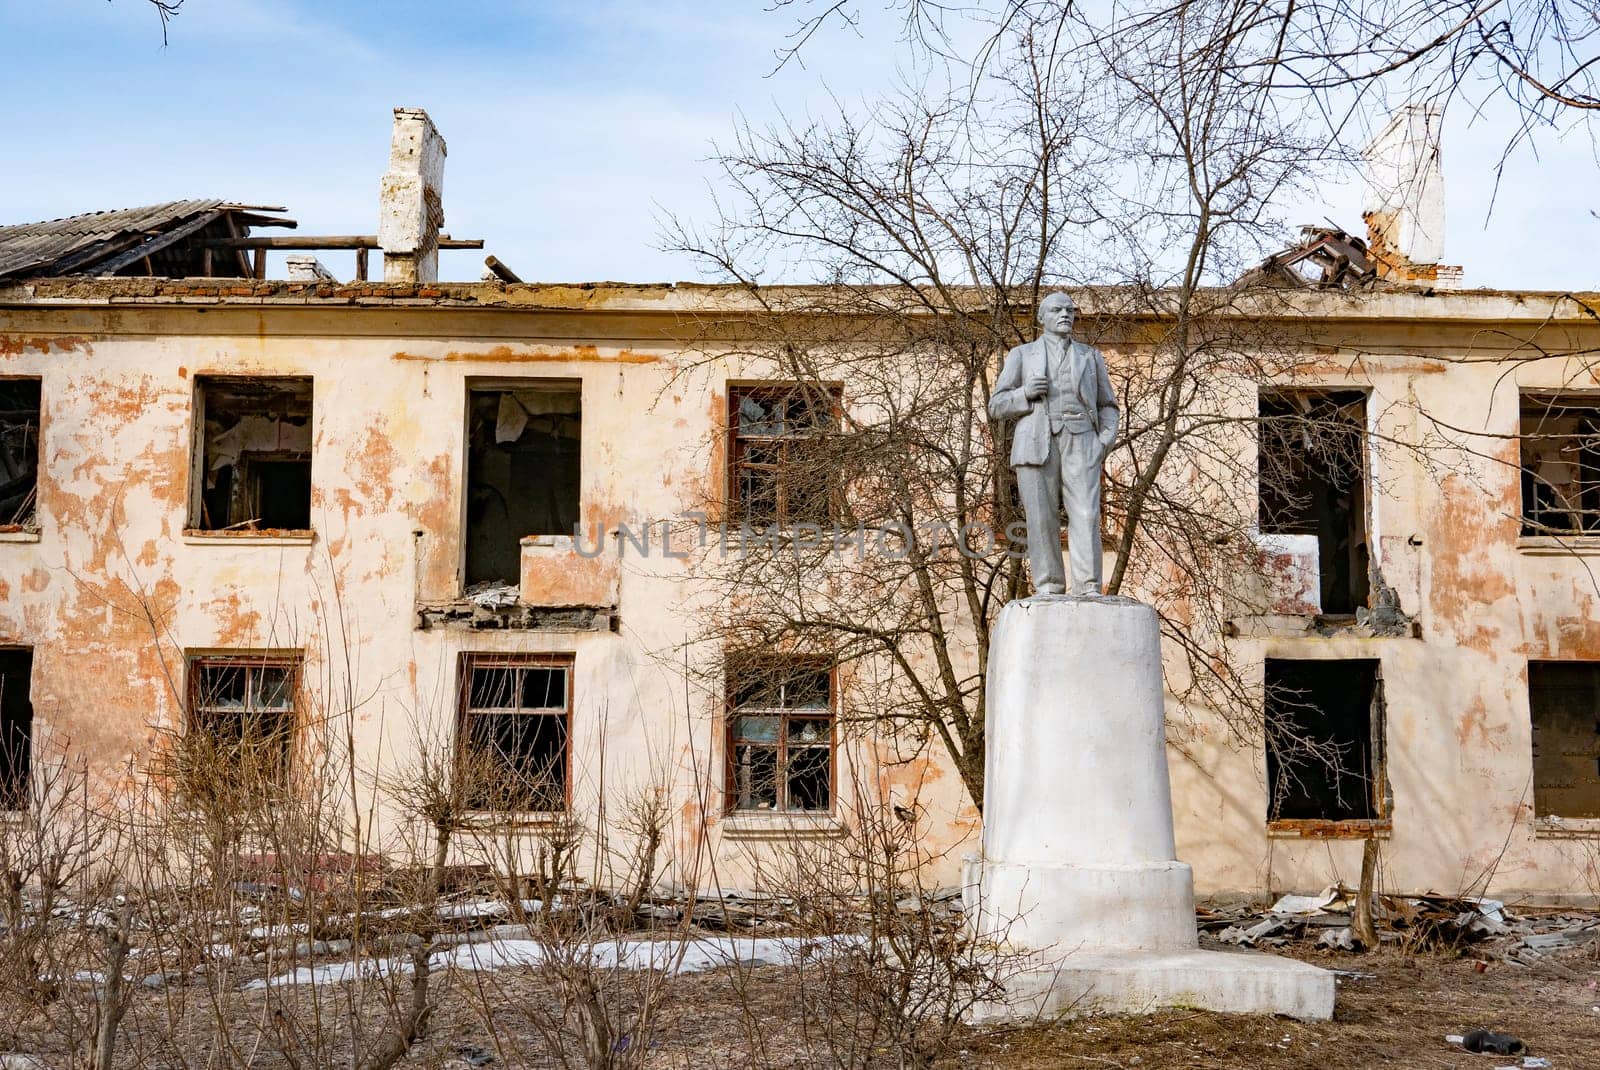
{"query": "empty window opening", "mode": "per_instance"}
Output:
(1564, 701)
(254, 454)
(1560, 464)
(16, 728)
(516, 714)
(241, 725)
(1324, 738)
(780, 470)
(780, 733)
(1312, 481)
(19, 452)
(522, 473)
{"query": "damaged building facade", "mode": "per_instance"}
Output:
(225, 499)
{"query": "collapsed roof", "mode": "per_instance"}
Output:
(1326, 258)
(173, 240)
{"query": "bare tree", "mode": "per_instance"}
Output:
(936, 225)
(1541, 54)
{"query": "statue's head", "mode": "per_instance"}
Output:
(1056, 313)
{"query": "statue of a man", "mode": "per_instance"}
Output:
(1062, 392)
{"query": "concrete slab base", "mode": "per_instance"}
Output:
(1136, 982)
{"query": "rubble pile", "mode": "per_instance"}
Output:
(1428, 921)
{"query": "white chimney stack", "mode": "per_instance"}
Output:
(1404, 207)
(411, 199)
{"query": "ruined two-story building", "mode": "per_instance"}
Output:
(227, 500)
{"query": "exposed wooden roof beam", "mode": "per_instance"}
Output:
(156, 243)
(328, 241)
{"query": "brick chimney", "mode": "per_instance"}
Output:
(411, 199)
(1404, 208)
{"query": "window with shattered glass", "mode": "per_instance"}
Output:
(516, 712)
(1560, 446)
(241, 719)
(252, 454)
(780, 734)
(19, 453)
(779, 469)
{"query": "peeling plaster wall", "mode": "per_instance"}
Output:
(112, 592)
(1458, 733)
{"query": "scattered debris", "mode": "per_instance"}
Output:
(1485, 1041)
(18, 1061)
(1427, 920)
(1341, 939)
(1325, 258)
(473, 1055)
(493, 595)
(494, 268)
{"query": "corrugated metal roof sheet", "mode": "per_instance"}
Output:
(71, 245)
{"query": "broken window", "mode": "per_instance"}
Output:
(522, 472)
(1312, 481)
(253, 454)
(780, 733)
(779, 472)
(1324, 737)
(516, 713)
(19, 452)
(1560, 464)
(16, 727)
(1564, 701)
(241, 724)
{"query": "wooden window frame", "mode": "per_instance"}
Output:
(196, 524)
(732, 741)
(1584, 507)
(197, 662)
(470, 660)
(1375, 773)
(28, 519)
(739, 444)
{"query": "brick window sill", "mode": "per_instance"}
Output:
(782, 825)
(200, 537)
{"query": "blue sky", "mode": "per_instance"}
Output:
(571, 126)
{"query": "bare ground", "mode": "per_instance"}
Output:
(1393, 1011)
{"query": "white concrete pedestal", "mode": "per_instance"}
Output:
(1079, 869)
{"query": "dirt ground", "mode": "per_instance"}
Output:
(1394, 1011)
(1398, 1018)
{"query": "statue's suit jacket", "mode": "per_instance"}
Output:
(1030, 442)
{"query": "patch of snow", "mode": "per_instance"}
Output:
(692, 956)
